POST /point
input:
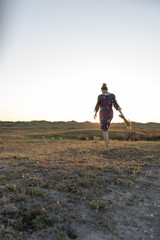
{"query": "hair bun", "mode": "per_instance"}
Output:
(104, 87)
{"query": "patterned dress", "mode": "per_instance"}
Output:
(105, 103)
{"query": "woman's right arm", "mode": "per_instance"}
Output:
(97, 107)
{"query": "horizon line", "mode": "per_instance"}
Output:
(70, 121)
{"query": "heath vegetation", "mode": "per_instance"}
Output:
(60, 183)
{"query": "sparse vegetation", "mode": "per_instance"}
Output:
(53, 184)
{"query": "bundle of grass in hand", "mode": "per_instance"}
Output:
(127, 122)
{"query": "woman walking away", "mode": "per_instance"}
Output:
(105, 102)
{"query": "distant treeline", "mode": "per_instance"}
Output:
(73, 125)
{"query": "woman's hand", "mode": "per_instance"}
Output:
(95, 115)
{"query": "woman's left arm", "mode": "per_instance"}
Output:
(117, 107)
(97, 108)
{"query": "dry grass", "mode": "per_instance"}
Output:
(72, 189)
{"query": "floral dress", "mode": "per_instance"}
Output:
(105, 103)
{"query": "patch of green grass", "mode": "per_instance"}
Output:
(39, 222)
(100, 204)
(61, 234)
(37, 192)
(59, 219)
(21, 198)
(130, 202)
(7, 233)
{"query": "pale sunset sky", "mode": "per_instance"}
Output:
(56, 54)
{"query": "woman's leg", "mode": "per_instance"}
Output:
(106, 138)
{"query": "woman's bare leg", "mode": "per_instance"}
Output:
(106, 138)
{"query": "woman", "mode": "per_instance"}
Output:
(105, 102)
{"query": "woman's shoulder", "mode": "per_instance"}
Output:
(112, 95)
(108, 94)
(101, 96)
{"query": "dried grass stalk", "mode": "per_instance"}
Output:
(126, 121)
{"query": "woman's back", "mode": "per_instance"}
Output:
(106, 101)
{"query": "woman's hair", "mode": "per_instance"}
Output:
(104, 87)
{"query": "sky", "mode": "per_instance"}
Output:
(56, 54)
